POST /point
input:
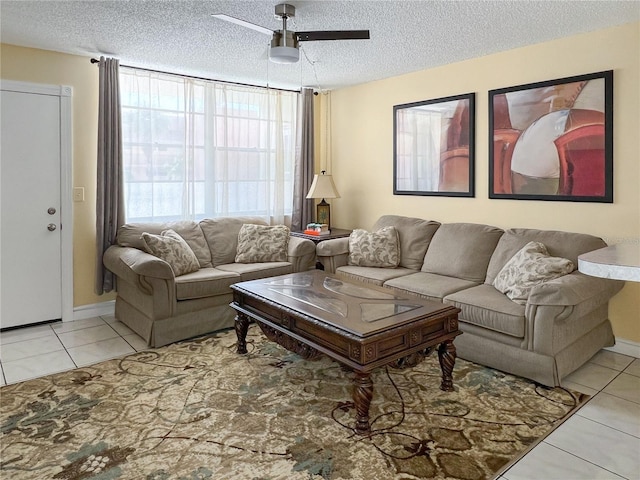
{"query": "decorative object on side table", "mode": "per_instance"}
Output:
(323, 187)
(333, 233)
(317, 229)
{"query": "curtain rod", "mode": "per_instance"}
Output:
(94, 60)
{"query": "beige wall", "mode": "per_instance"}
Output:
(362, 149)
(40, 66)
(361, 145)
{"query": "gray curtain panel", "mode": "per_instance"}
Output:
(110, 191)
(303, 173)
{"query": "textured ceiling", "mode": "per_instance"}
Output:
(406, 36)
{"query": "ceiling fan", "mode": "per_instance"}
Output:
(284, 43)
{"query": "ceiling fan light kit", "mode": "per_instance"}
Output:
(284, 47)
(285, 43)
(284, 54)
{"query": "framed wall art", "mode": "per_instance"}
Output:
(433, 147)
(553, 140)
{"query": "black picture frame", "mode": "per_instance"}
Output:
(553, 140)
(434, 147)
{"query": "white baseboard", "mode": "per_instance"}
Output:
(625, 347)
(94, 310)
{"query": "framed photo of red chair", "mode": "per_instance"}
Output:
(553, 140)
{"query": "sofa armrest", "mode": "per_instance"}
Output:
(144, 277)
(333, 253)
(556, 309)
(125, 261)
(301, 253)
(574, 289)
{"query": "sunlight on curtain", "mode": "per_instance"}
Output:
(196, 149)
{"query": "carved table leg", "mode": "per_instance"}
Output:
(447, 357)
(242, 325)
(362, 395)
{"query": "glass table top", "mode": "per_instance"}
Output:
(334, 295)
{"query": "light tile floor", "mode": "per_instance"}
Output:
(600, 441)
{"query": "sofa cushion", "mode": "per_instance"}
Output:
(130, 235)
(262, 243)
(486, 307)
(462, 250)
(430, 285)
(171, 247)
(376, 276)
(415, 235)
(222, 236)
(206, 282)
(374, 249)
(559, 244)
(192, 234)
(253, 271)
(530, 266)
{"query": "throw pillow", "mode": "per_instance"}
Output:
(173, 249)
(262, 243)
(374, 249)
(530, 266)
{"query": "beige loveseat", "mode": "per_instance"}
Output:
(559, 327)
(164, 308)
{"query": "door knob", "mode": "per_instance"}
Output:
(51, 211)
(51, 227)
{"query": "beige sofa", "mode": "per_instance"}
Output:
(163, 308)
(563, 323)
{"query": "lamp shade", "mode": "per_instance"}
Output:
(323, 187)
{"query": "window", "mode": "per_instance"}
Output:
(194, 148)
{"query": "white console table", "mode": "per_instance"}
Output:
(620, 262)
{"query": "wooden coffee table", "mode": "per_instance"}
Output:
(361, 326)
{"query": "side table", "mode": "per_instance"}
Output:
(334, 233)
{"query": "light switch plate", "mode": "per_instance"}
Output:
(78, 194)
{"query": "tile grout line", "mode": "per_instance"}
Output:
(30, 356)
(607, 426)
(586, 418)
(619, 397)
(584, 459)
(618, 372)
(122, 336)
(65, 347)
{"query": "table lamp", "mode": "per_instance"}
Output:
(323, 187)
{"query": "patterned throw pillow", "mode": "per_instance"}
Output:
(530, 266)
(375, 249)
(173, 249)
(262, 243)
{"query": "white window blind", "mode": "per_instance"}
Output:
(196, 149)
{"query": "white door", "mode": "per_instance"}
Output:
(30, 241)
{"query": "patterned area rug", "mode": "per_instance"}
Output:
(198, 410)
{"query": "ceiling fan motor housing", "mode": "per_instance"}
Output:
(285, 10)
(289, 39)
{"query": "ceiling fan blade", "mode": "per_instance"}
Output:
(243, 23)
(333, 35)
